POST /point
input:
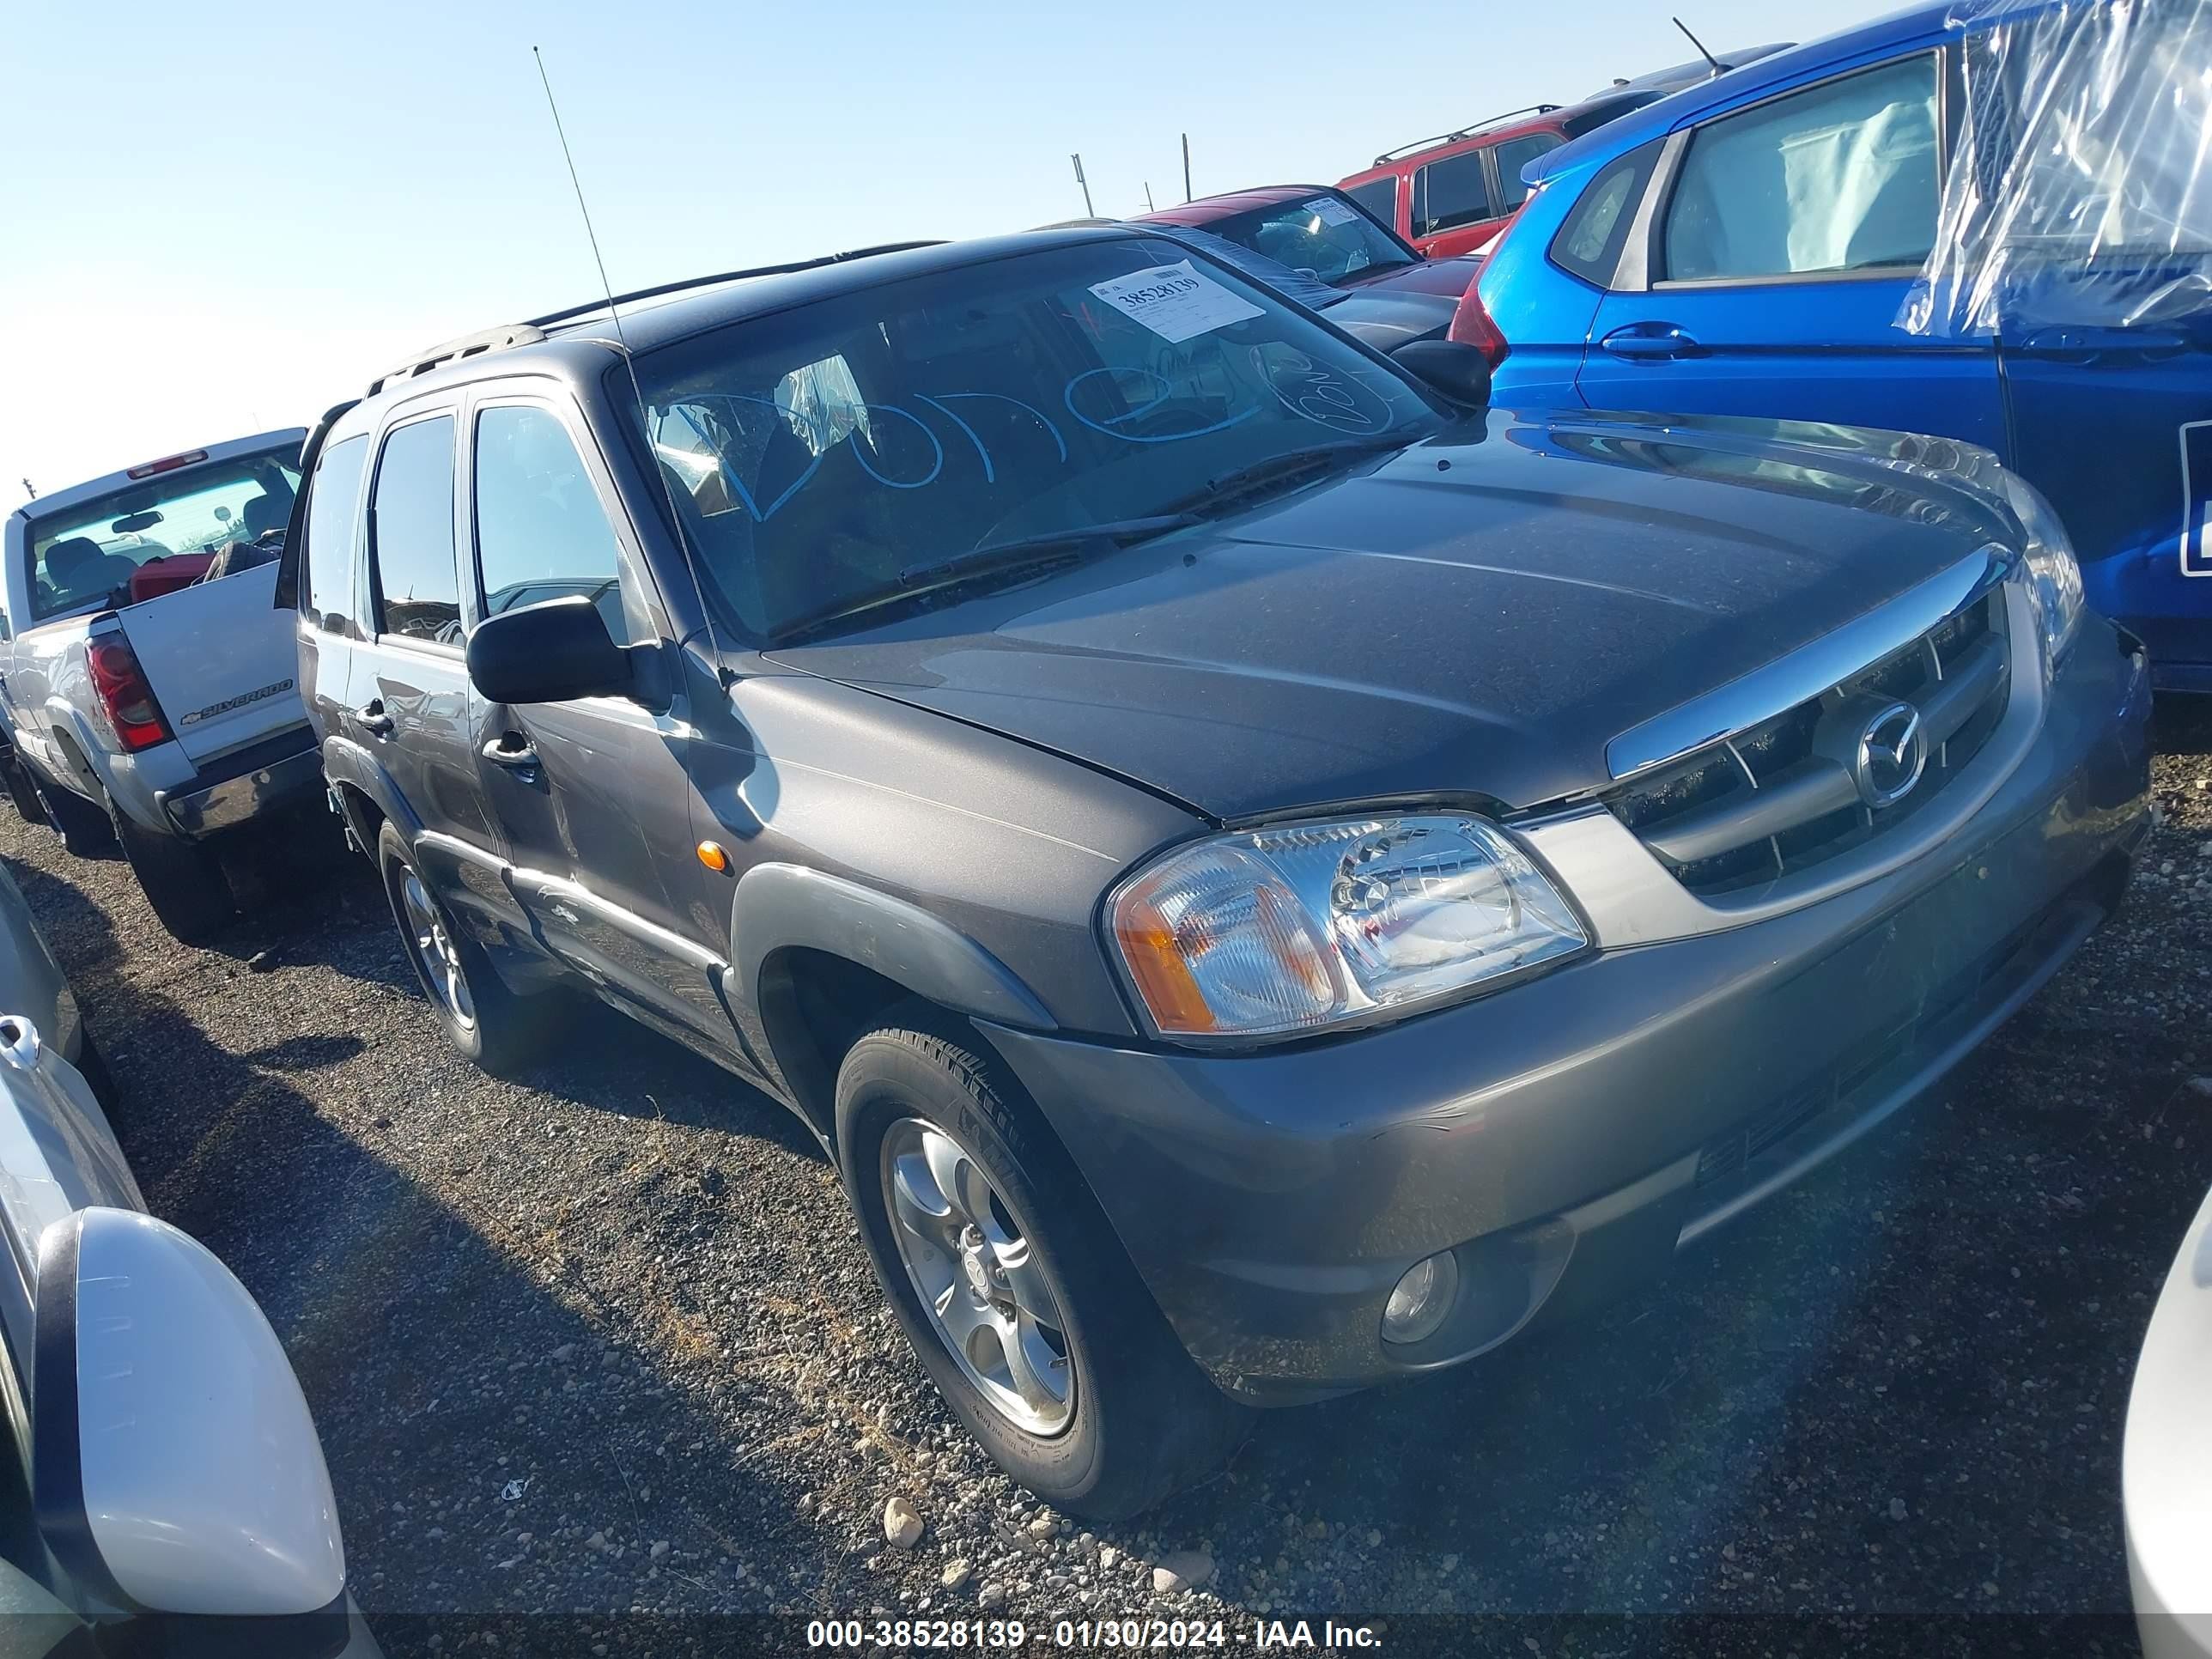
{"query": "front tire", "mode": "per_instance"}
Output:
(485, 1021)
(1009, 1282)
(182, 880)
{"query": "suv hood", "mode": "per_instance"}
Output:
(1474, 616)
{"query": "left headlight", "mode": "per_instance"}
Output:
(2054, 576)
(1295, 926)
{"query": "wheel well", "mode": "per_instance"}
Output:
(73, 754)
(814, 1006)
(363, 816)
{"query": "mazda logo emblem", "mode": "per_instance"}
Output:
(1892, 752)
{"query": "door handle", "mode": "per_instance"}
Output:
(1648, 341)
(2084, 342)
(519, 758)
(373, 721)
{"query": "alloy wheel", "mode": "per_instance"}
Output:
(435, 952)
(970, 1260)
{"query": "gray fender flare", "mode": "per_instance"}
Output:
(345, 762)
(778, 907)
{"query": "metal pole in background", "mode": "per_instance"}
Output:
(1089, 212)
(1148, 197)
(1186, 167)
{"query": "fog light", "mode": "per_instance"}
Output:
(1418, 1306)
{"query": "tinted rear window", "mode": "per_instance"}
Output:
(333, 511)
(88, 553)
(411, 534)
(1379, 196)
(1514, 154)
(1589, 242)
(1450, 192)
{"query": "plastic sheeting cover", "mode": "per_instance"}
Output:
(2080, 188)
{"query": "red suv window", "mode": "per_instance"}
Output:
(1454, 190)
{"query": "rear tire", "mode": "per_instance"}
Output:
(1137, 1418)
(182, 880)
(488, 1023)
(21, 792)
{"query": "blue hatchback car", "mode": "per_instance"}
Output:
(1995, 228)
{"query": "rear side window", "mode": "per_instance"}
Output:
(410, 529)
(1514, 154)
(1380, 198)
(1839, 177)
(1455, 190)
(333, 510)
(542, 531)
(1589, 242)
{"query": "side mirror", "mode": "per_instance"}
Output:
(548, 653)
(1461, 372)
(174, 1468)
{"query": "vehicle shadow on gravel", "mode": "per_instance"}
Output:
(480, 1412)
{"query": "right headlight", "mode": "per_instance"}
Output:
(1296, 926)
(2054, 576)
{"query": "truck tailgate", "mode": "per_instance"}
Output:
(220, 659)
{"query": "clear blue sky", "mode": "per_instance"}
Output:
(224, 218)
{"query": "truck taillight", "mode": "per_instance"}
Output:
(131, 709)
(1471, 324)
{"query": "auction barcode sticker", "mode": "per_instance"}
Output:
(1330, 211)
(1175, 301)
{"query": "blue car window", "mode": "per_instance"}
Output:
(1840, 177)
(1589, 244)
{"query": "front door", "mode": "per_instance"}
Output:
(1780, 244)
(592, 796)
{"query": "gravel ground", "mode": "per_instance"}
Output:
(603, 1343)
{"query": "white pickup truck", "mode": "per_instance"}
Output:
(150, 696)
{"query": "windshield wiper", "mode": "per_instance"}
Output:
(1294, 466)
(1024, 553)
(1049, 546)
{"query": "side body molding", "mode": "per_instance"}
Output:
(779, 906)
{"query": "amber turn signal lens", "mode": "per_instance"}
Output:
(1163, 977)
(712, 855)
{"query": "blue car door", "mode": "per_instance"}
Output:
(2095, 240)
(1778, 245)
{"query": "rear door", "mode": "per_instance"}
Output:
(1774, 250)
(410, 685)
(2105, 323)
(591, 797)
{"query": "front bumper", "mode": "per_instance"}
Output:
(234, 788)
(1564, 1137)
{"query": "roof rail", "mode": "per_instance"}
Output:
(452, 351)
(655, 292)
(508, 335)
(1485, 125)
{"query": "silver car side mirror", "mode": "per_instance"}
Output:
(175, 1469)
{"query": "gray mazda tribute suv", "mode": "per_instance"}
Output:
(1263, 878)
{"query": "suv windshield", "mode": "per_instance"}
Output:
(1324, 236)
(819, 456)
(84, 553)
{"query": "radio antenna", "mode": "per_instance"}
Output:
(1718, 67)
(636, 391)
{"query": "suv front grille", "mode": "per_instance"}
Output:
(1783, 795)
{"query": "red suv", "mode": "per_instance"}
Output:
(1452, 193)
